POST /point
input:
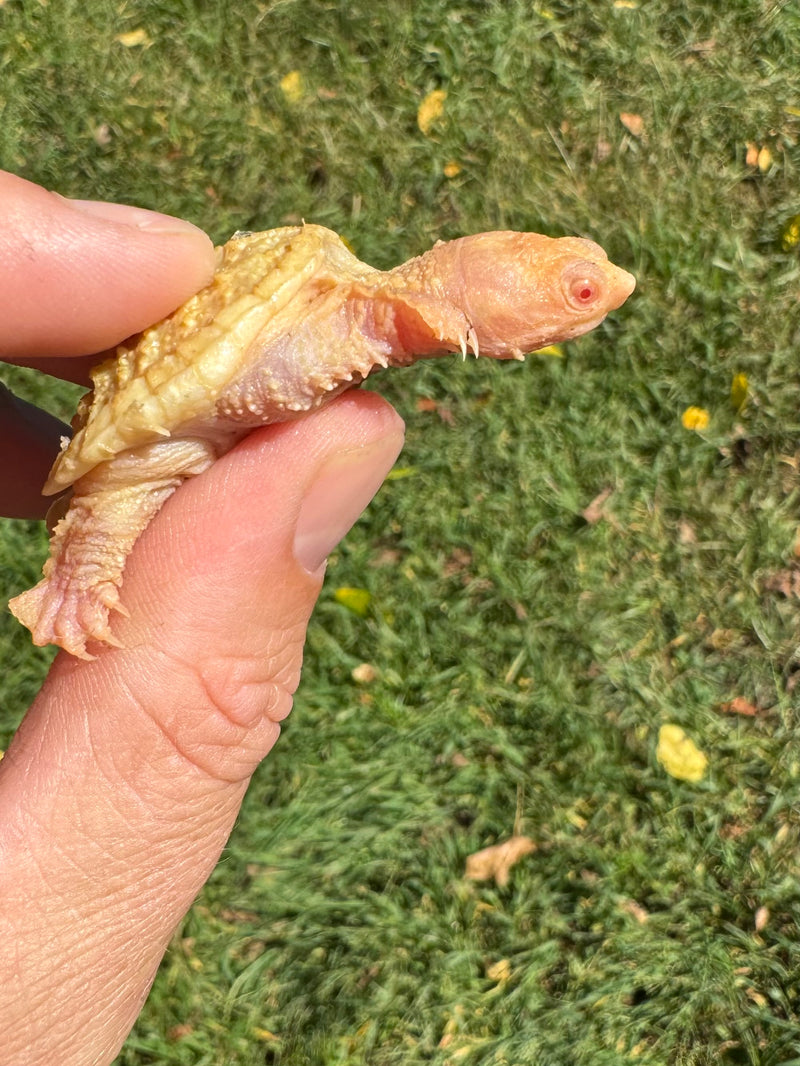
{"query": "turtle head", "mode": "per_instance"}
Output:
(522, 291)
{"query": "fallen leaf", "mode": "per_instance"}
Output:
(786, 582)
(679, 755)
(758, 156)
(499, 971)
(179, 1032)
(596, 509)
(630, 5)
(723, 639)
(761, 919)
(264, 1034)
(458, 562)
(695, 418)
(427, 403)
(452, 169)
(636, 910)
(553, 350)
(686, 532)
(134, 39)
(496, 861)
(701, 47)
(739, 705)
(758, 998)
(364, 674)
(740, 388)
(634, 124)
(430, 110)
(355, 600)
(292, 86)
(397, 473)
(790, 237)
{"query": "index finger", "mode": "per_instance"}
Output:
(78, 277)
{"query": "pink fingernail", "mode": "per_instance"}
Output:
(138, 217)
(343, 487)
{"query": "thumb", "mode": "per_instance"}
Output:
(221, 585)
(124, 780)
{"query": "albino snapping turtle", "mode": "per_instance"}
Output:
(290, 319)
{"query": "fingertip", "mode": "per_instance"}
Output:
(80, 276)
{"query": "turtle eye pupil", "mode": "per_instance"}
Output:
(583, 291)
(582, 286)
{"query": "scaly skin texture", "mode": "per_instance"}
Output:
(290, 319)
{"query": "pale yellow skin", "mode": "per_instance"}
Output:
(290, 319)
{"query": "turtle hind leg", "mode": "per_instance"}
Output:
(72, 604)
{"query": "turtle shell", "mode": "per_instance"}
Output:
(167, 380)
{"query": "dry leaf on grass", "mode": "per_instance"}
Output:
(355, 600)
(739, 705)
(596, 509)
(428, 404)
(639, 913)
(761, 919)
(785, 582)
(499, 971)
(634, 124)
(430, 110)
(740, 390)
(679, 755)
(758, 156)
(134, 39)
(496, 861)
(292, 86)
(364, 674)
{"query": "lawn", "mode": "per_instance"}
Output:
(566, 559)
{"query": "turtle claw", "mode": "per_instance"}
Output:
(69, 616)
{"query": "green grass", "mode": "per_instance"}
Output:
(526, 657)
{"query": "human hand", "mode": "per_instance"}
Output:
(126, 775)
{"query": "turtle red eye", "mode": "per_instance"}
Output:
(581, 285)
(583, 292)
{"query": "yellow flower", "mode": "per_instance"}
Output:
(696, 418)
(679, 755)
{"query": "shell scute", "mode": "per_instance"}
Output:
(172, 374)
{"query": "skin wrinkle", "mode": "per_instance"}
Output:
(66, 1031)
(225, 737)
